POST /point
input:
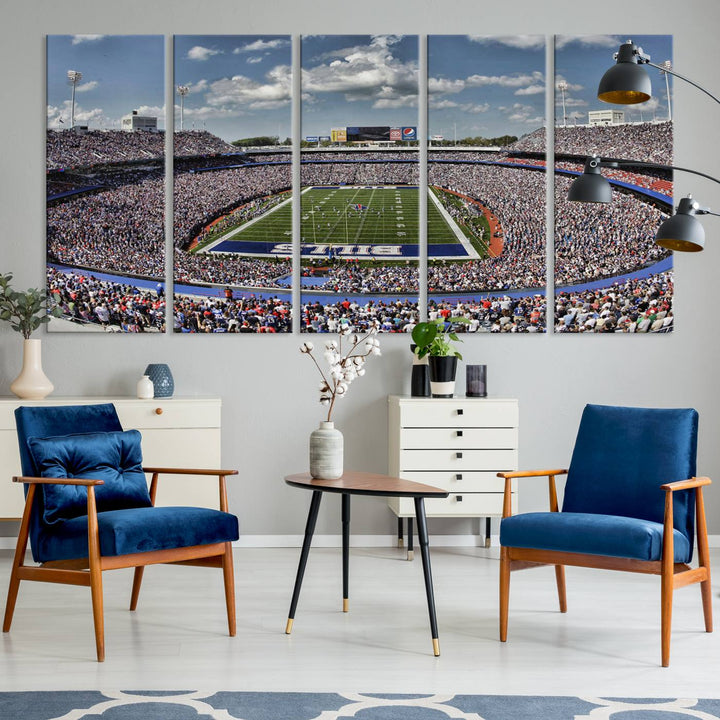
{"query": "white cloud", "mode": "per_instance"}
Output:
(608, 41)
(531, 90)
(442, 104)
(77, 39)
(524, 42)
(253, 59)
(444, 85)
(509, 81)
(259, 45)
(201, 53)
(86, 87)
(474, 108)
(364, 72)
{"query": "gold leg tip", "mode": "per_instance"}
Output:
(436, 647)
(401, 542)
(410, 554)
(288, 627)
(346, 605)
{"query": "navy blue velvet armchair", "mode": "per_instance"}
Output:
(88, 509)
(632, 502)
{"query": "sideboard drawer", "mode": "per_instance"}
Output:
(455, 505)
(168, 413)
(458, 413)
(458, 482)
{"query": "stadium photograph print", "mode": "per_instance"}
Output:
(232, 184)
(105, 168)
(486, 182)
(610, 276)
(359, 176)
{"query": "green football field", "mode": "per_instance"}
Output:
(351, 215)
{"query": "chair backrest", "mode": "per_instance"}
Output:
(56, 421)
(623, 454)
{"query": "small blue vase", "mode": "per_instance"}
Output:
(162, 379)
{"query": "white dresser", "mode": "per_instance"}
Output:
(176, 432)
(458, 444)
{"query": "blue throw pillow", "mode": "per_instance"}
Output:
(114, 457)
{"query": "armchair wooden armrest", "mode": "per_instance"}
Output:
(695, 482)
(220, 474)
(57, 481)
(509, 476)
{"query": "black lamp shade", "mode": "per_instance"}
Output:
(626, 82)
(681, 232)
(590, 187)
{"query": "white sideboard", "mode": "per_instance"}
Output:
(458, 444)
(176, 432)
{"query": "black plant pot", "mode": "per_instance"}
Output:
(442, 375)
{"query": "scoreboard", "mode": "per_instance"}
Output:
(373, 133)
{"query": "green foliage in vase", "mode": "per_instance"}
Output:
(25, 311)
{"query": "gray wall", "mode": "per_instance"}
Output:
(268, 388)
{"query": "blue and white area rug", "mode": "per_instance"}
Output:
(189, 705)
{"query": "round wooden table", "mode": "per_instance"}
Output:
(362, 483)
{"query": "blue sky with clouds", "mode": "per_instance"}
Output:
(582, 60)
(120, 73)
(485, 86)
(358, 80)
(239, 85)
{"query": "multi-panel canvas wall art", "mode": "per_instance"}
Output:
(232, 184)
(486, 181)
(105, 171)
(359, 177)
(610, 276)
(354, 258)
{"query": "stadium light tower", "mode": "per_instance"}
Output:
(74, 77)
(183, 90)
(562, 86)
(666, 67)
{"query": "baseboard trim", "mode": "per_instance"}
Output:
(335, 541)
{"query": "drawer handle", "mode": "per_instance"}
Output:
(458, 455)
(458, 498)
(458, 476)
(460, 411)
(459, 433)
(158, 411)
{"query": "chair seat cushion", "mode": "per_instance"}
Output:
(138, 530)
(591, 534)
(114, 457)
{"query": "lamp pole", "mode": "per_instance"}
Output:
(562, 86)
(183, 90)
(74, 77)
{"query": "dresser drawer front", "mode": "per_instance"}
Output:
(458, 460)
(459, 437)
(168, 413)
(455, 505)
(458, 482)
(459, 413)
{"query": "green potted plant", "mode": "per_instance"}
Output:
(26, 311)
(435, 339)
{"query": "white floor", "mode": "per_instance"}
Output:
(608, 644)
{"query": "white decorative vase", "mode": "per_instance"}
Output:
(32, 383)
(326, 452)
(145, 388)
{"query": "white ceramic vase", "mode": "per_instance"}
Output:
(145, 388)
(326, 452)
(32, 383)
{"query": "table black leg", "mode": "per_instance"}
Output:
(400, 532)
(309, 530)
(425, 553)
(410, 551)
(346, 548)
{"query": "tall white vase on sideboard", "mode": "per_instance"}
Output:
(32, 383)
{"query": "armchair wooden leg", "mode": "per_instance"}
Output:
(18, 560)
(704, 559)
(504, 592)
(96, 587)
(137, 581)
(666, 599)
(560, 580)
(229, 578)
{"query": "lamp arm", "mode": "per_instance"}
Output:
(682, 77)
(655, 166)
